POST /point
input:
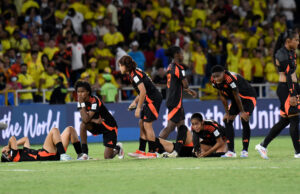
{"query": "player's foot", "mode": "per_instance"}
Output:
(262, 151)
(149, 155)
(83, 156)
(137, 154)
(121, 151)
(229, 154)
(173, 154)
(65, 157)
(3, 126)
(297, 155)
(244, 154)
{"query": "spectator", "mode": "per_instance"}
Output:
(199, 61)
(102, 26)
(35, 67)
(88, 38)
(233, 60)
(48, 81)
(137, 56)
(137, 24)
(78, 59)
(33, 20)
(112, 12)
(113, 37)
(27, 83)
(160, 54)
(76, 18)
(103, 55)
(47, 13)
(63, 58)
(109, 91)
(246, 65)
(59, 93)
(288, 7)
(51, 49)
(92, 71)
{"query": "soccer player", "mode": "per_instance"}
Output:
(97, 120)
(146, 105)
(288, 91)
(242, 95)
(54, 148)
(207, 140)
(176, 84)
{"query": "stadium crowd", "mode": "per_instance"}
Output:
(47, 44)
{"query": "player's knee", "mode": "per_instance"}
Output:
(54, 129)
(70, 129)
(12, 138)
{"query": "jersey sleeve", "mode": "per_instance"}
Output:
(95, 105)
(231, 81)
(137, 78)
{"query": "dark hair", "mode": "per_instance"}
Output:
(172, 51)
(5, 158)
(217, 68)
(129, 63)
(83, 84)
(197, 116)
(23, 64)
(289, 34)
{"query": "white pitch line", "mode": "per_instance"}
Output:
(19, 170)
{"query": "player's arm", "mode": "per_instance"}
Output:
(141, 99)
(86, 116)
(219, 143)
(186, 88)
(132, 106)
(224, 102)
(24, 141)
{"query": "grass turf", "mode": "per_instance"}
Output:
(180, 175)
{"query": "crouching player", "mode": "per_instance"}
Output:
(207, 140)
(54, 148)
(97, 120)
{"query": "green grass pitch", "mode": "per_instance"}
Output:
(280, 174)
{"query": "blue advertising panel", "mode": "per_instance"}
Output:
(36, 120)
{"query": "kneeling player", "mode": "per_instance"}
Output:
(97, 120)
(208, 140)
(209, 136)
(54, 147)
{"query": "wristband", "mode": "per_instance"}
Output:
(82, 104)
(78, 105)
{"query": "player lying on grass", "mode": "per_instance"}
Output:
(54, 148)
(97, 120)
(208, 140)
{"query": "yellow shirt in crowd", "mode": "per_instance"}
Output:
(245, 67)
(199, 61)
(25, 80)
(113, 39)
(50, 81)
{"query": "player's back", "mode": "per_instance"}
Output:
(175, 75)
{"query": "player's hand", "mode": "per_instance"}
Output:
(97, 121)
(293, 101)
(80, 99)
(202, 155)
(132, 106)
(137, 112)
(244, 116)
(226, 117)
(5, 149)
(192, 93)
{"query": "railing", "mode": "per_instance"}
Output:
(264, 92)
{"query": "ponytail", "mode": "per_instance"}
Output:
(289, 34)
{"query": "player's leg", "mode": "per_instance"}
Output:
(150, 135)
(83, 137)
(167, 145)
(229, 130)
(294, 132)
(53, 142)
(142, 142)
(248, 105)
(70, 134)
(110, 143)
(175, 118)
